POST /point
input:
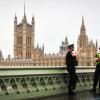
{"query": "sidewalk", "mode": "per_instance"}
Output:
(81, 95)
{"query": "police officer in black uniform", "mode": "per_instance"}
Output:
(97, 72)
(71, 62)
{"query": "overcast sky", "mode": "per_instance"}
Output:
(54, 20)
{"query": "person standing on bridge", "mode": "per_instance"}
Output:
(71, 62)
(97, 72)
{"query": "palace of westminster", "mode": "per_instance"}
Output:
(27, 54)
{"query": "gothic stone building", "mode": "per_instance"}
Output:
(86, 57)
(26, 54)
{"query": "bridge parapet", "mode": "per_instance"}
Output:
(38, 81)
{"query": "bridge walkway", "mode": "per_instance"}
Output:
(81, 95)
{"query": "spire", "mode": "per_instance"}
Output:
(33, 19)
(91, 42)
(82, 20)
(15, 23)
(15, 19)
(37, 45)
(24, 20)
(24, 9)
(43, 47)
(66, 41)
(96, 44)
(33, 23)
(83, 26)
(83, 30)
(0, 54)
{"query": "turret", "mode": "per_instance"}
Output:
(91, 43)
(66, 41)
(63, 47)
(33, 23)
(15, 19)
(96, 45)
(83, 30)
(43, 47)
(0, 54)
(15, 22)
(37, 45)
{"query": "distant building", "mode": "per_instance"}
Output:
(63, 47)
(86, 58)
(27, 54)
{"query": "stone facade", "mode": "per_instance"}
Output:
(23, 38)
(86, 57)
(27, 54)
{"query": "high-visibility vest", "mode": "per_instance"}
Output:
(98, 56)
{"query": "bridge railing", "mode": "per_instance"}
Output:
(21, 82)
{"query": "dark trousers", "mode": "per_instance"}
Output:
(72, 79)
(96, 77)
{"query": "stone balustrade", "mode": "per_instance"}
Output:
(21, 82)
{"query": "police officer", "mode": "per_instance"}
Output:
(71, 62)
(97, 71)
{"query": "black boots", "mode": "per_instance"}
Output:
(70, 92)
(93, 91)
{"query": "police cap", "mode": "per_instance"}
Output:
(71, 46)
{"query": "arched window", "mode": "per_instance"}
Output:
(19, 40)
(28, 40)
